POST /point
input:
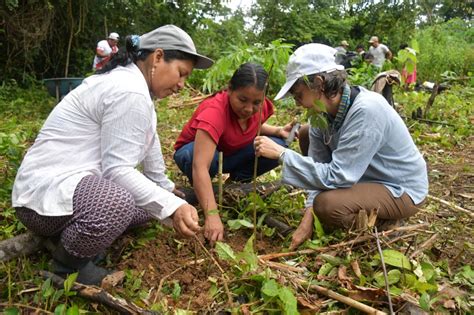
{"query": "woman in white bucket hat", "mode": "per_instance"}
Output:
(364, 158)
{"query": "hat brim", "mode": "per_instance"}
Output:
(203, 62)
(284, 90)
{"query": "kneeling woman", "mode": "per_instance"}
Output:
(228, 122)
(366, 158)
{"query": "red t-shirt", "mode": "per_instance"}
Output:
(215, 116)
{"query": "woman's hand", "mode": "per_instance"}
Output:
(185, 220)
(213, 228)
(284, 132)
(265, 147)
(304, 230)
(179, 193)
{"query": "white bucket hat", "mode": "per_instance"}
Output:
(306, 60)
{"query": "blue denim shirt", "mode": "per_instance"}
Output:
(372, 145)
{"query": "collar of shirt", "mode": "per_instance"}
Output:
(343, 108)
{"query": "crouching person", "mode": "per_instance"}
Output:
(227, 122)
(78, 183)
(364, 159)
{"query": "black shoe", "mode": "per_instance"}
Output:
(65, 264)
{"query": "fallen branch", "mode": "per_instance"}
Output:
(97, 294)
(193, 101)
(451, 205)
(340, 298)
(361, 239)
(21, 245)
(426, 244)
(225, 279)
(385, 275)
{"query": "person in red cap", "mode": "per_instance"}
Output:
(105, 50)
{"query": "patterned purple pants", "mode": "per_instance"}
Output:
(102, 211)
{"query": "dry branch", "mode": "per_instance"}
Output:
(451, 205)
(359, 240)
(23, 244)
(426, 244)
(340, 298)
(99, 295)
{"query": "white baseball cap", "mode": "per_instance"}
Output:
(114, 36)
(306, 60)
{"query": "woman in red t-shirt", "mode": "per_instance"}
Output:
(227, 122)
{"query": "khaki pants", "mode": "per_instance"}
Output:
(339, 208)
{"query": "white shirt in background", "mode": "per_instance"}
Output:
(379, 53)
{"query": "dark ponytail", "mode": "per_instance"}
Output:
(132, 54)
(127, 56)
(249, 74)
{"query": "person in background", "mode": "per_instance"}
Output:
(341, 52)
(364, 159)
(105, 50)
(360, 50)
(379, 51)
(227, 122)
(408, 78)
(79, 184)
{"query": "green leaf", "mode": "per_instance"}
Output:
(270, 288)
(249, 255)
(318, 227)
(425, 302)
(395, 258)
(73, 310)
(237, 224)
(60, 309)
(393, 277)
(428, 271)
(11, 311)
(176, 291)
(423, 287)
(225, 252)
(335, 261)
(325, 269)
(69, 282)
(288, 300)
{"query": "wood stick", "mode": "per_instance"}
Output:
(340, 298)
(36, 309)
(97, 294)
(426, 244)
(385, 275)
(220, 191)
(451, 205)
(23, 244)
(225, 279)
(342, 244)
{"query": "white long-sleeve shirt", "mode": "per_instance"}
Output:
(105, 127)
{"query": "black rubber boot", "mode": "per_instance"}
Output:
(88, 273)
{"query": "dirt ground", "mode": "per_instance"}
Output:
(168, 260)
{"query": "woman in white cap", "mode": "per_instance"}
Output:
(105, 50)
(78, 184)
(364, 159)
